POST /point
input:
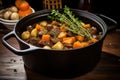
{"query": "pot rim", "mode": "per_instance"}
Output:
(96, 19)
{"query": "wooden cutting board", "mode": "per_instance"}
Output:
(111, 43)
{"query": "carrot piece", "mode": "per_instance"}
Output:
(39, 27)
(17, 3)
(24, 13)
(62, 28)
(83, 44)
(54, 23)
(93, 40)
(68, 40)
(78, 44)
(46, 37)
(24, 5)
(87, 25)
(80, 38)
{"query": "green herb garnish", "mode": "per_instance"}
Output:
(74, 24)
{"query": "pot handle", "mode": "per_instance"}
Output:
(111, 23)
(13, 49)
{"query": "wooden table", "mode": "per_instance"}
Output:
(12, 66)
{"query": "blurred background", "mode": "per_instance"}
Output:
(109, 8)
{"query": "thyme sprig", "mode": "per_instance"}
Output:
(74, 24)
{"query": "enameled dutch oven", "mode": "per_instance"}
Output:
(58, 63)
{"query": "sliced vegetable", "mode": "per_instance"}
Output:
(78, 44)
(45, 37)
(68, 40)
(25, 35)
(43, 23)
(62, 35)
(47, 47)
(62, 28)
(24, 13)
(39, 27)
(54, 23)
(34, 32)
(93, 40)
(58, 46)
(86, 25)
(80, 38)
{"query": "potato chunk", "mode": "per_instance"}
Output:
(58, 46)
(25, 35)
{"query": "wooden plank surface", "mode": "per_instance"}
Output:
(112, 43)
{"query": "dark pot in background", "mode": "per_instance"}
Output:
(58, 63)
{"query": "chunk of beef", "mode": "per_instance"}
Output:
(40, 33)
(29, 28)
(54, 31)
(45, 43)
(34, 41)
(49, 27)
(93, 30)
(55, 40)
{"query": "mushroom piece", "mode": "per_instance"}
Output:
(14, 16)
(13, 9)
(7, 14)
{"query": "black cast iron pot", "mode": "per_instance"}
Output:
(58, 63)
